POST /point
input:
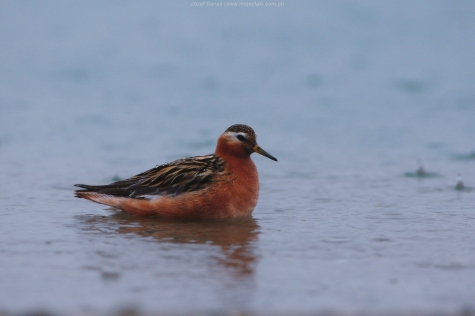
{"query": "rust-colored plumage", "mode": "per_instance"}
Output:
(221, 185)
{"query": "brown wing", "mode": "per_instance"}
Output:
(180, 176)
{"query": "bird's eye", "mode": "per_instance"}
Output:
(241, 137)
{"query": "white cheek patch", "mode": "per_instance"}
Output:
(234, 136)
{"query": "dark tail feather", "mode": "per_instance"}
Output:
(87, 189)
(93, 188)
(102, 189)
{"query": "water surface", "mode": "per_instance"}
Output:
(353, 98)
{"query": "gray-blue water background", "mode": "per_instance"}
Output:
(352, 97)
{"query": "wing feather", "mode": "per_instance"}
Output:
(174, 178)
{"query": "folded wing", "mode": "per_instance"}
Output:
(174, 178)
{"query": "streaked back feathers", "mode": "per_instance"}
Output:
(174, 178)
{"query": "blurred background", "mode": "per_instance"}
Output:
(352, 97)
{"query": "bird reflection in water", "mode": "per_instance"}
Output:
(236, 238)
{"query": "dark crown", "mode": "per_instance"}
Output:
(241, 128)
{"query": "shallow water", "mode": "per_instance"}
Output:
(352, 98)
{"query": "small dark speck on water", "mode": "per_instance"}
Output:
(110, 276)
(468, 156)
(459, 185)
(381, 239)
(421, 173)
(116, 178)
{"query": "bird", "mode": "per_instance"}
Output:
(216, 186)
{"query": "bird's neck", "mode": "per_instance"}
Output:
(235, 157)
(227, 150)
